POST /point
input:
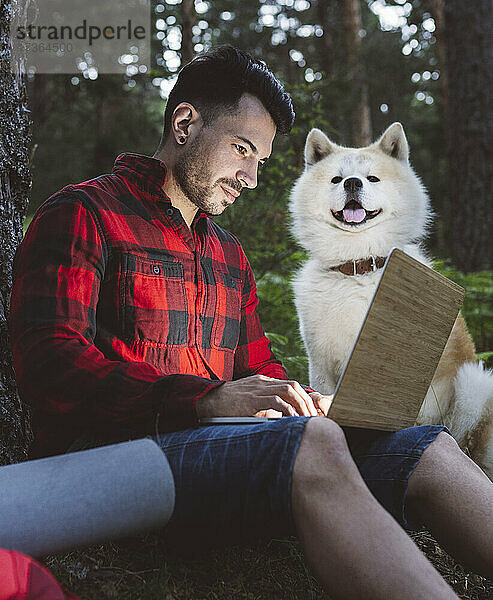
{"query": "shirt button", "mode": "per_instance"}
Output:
(156, 269)
(169, 212)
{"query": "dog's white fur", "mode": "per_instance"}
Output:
(331, 306)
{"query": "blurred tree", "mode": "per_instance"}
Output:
(360, 113)
(325, 18)
(15, 181)
(188, 20)
(79, 128)
(470, 139)
(437, 8)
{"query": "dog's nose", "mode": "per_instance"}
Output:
(352, 184)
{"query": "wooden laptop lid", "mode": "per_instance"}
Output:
(398, 347)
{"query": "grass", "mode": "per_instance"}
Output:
(143, 569)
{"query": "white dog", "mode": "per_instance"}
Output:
(349, 208)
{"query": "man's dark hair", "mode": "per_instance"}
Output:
(217, 79)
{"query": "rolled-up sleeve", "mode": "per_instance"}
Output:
(253, 354)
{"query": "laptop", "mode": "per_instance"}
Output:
(397, 350)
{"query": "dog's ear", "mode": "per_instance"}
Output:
(317, 146)
(394, 143)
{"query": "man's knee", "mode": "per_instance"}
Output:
(442, 448)
(323, 453)
(439, 457)
(444, 442)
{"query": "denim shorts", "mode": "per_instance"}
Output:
(233, 482)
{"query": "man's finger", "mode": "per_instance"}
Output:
(294, 394)
(312, 411)
(278, 403)
(270, 413)
(291, 392)
(288, 394)
(322, 403)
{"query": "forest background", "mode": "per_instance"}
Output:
(352, 67)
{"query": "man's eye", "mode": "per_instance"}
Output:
(241, 149)
(372, 178)
(336, 179)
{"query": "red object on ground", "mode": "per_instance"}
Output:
(23, 578)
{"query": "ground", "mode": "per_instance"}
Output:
(143, 569)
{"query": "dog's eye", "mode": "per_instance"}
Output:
(336, 179)
(372, 178)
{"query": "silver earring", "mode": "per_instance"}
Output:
(182, 140)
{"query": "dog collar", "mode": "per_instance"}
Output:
(359, 267)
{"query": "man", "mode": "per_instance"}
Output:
(134, 314)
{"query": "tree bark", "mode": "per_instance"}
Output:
(468, 29)
(360, 117)
(187, 23)
(15, 183)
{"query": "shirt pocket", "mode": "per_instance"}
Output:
(226, 327)
(153, 300)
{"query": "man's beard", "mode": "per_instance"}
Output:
(191, 172)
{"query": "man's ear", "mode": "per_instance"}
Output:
(184, 120)
(394, 143)
(317, 146)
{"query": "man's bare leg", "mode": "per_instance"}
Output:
(453, 498)
(354, 546)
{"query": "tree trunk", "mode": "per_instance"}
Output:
(468, 29)
(323, 17)
(15, 183)
(437, 11)
(187, 23)
(107, 90)
(360, 115)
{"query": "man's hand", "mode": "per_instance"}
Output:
(322, 403)
(260, 396)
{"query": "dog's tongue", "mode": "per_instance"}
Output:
(354, 216)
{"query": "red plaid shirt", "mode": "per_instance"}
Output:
(121, 316)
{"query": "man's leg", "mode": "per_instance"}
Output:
(453, 498)
(354, 546)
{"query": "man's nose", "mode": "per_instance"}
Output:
(247, 175)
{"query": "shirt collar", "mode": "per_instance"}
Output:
(146, 172)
